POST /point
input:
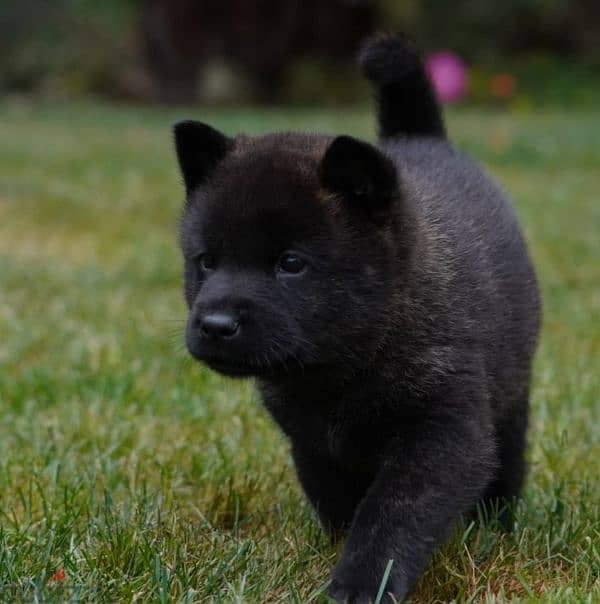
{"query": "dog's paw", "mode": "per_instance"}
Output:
(343, 593)
(357, 588)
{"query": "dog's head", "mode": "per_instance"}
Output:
(288, 243)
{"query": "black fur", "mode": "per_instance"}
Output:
(359, 173)
(406, 102)
(199, 149)
(385, 300)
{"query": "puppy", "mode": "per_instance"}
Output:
(384, 299)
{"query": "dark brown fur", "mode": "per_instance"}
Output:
(384, 298)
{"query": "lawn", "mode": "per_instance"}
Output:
(129, 473)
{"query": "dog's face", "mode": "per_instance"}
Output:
(286, 249)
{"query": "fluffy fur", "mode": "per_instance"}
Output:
(384, 298)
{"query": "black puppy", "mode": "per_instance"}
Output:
(384, 298)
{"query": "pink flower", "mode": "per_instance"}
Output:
(449, 76)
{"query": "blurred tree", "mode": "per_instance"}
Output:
(66, 47)
(584, 21)
(487, 29)
(157, 48)
(261, 37)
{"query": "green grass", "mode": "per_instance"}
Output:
(145, 477)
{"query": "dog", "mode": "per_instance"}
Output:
(384, 300)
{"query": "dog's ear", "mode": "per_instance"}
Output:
(359, 173)
(199, 150)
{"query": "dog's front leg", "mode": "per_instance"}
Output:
(426, 480)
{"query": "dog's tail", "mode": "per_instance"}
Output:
(406, 101)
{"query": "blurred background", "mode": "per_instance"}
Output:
(518, 52)
(128, 469)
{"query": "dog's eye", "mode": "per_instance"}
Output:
(205, 262)
(291, 263)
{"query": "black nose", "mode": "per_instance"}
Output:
(218, 325)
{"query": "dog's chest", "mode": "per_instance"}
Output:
(352, 445)
(351, 441)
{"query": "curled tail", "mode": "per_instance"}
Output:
(406, 101)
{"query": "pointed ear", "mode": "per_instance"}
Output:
(199, 149)
(358, 172)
